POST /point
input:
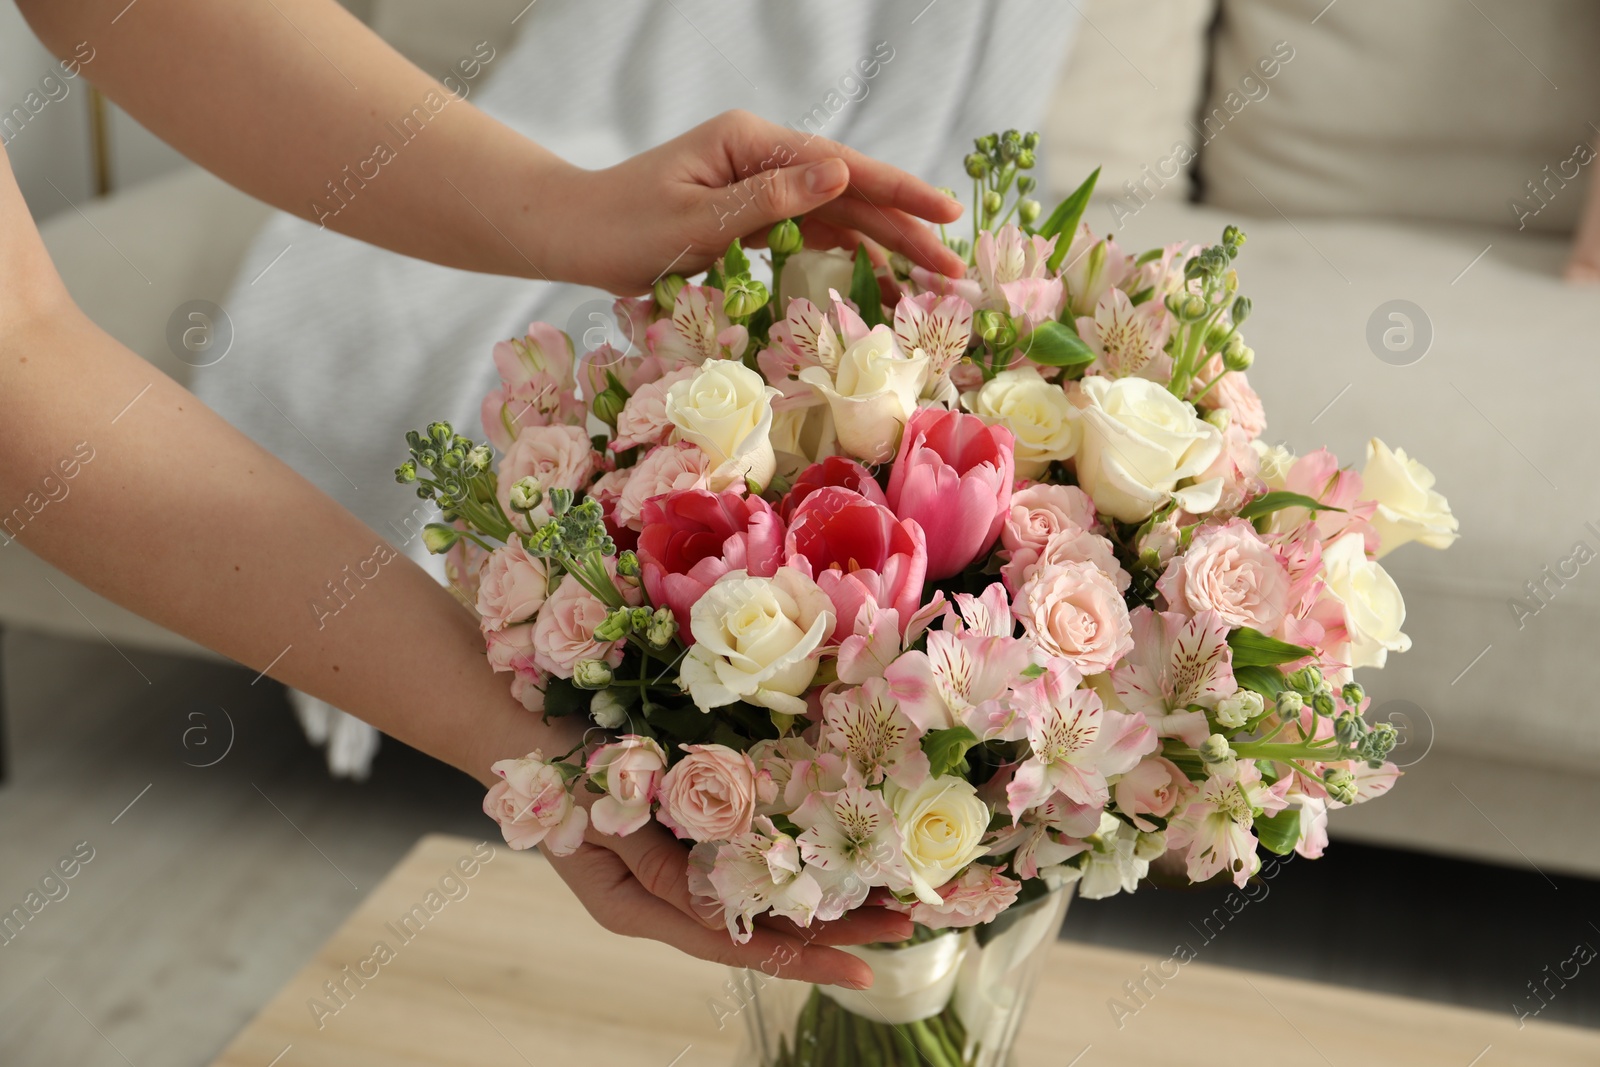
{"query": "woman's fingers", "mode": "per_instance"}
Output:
(863, 926)
(616, 899)
(895, 230)
(659, 864)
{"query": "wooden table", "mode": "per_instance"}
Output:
(515, 972)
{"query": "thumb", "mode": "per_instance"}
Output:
(784, 192)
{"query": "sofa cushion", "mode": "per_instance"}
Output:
(1428, 109)
(1128, 91)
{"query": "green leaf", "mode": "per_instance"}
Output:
(1251, 648)
(1064, 219)
(947, 749)
(562, 698)
(864, 290)
(1268, 681)
(1053, 345)
(1279, 499)
(734, 262)
(1280, 832)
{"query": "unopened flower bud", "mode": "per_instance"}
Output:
(1026, 184)
(1307, 679)
(609, 707)
(784, 239)
(1241, 310)
(406, 473)
(1028, 210)
(1238, 708)
(441, 432)
(438, 538)
(1221, 418)
(628, 564)
(667, 290)
(989, 324)
(1147, 846)
(1025, 159)
(1322, 702)
(1188, 307)
(1238, 357)
(1215, 749)
(1232, 238)
(525, 494)
(608, 406)
(479, 458)
(1341, 785)
(744, 298)
(560, 499)
(1379, 742)
(947, 192)
(615, 626)
(591, 674)
(1290, 704)
(1030, 139)
(992, 202)
(1353, 694)
(1348, 729)
(662, 629)
(977, 166)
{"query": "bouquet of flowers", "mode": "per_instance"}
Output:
(935, 593)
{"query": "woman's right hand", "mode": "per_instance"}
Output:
(638, 886)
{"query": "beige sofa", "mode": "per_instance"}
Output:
(1360, 180)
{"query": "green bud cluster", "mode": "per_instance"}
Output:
(573, 532)
(997, 167)
(455, 473)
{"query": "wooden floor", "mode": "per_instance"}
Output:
(211, 886)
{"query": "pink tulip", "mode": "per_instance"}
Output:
(953, 478)
(857, 551)
(835, 470)
(692, 537)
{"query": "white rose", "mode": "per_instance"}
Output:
(1038, 414)
(726, 411)
(872, 394)
(1409, 508)
(942, 823)
(1139, 442)
(1273, 462)
(1373, 608)
(809, 274)
(756, 639)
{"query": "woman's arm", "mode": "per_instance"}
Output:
(181, 518)
(290, 100)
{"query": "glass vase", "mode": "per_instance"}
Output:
(952, 998)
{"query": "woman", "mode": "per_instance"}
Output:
(186, 521)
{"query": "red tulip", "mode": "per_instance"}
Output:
(953, 478)
(856, 551)
(692, 537)
(835, 470)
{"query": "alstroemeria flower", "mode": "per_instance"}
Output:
(536, 386)
(966, 676)
(1075, 742)
(857, 552)
(693, 537)
(1127, 339)
(953, 478)
(698, 330)
(849, 838)
(867, 724)
(1217, 828)
(1176, 662)
(757, 872)
(941, 326)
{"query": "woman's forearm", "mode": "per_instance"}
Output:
(297, 103)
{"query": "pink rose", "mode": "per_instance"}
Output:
(1071, 544)
(692, 537)
(1232, 394)
(858, 553)
(953, 478)
(1151, 788)
(556, 457)
(709, 795)
(532, 805)
(511, 587)
(1230, 570)
(1040, 511)
(527, 689)
(979, 895)
(511, 648)
(630, 771)
(643, 420)
(835, 470)
(563, 634)
(667, 469)
(1072, 610)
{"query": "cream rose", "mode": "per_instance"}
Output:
(1373, 608)
(809, 274)
(871, 394)
(725, 410)
(1139, 442)
(942, 823)
(756, 639)
(1409, 508)
(1038, 414)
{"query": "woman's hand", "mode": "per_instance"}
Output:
(638, 886)
(682, 203)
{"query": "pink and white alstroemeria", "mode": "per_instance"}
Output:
(867, 724)
(849, 838)
(1091, 267)
(1127, 339)
(1319, 476)
(939, 325)
(1008, 257)
(804, 337)
(1175, 663)
(965, 677)
(1047, 835)
(1075, 742)
(536, 385)
(756, 872)
(698, 330)
(1217, 827)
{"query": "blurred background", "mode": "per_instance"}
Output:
(1410, 178)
